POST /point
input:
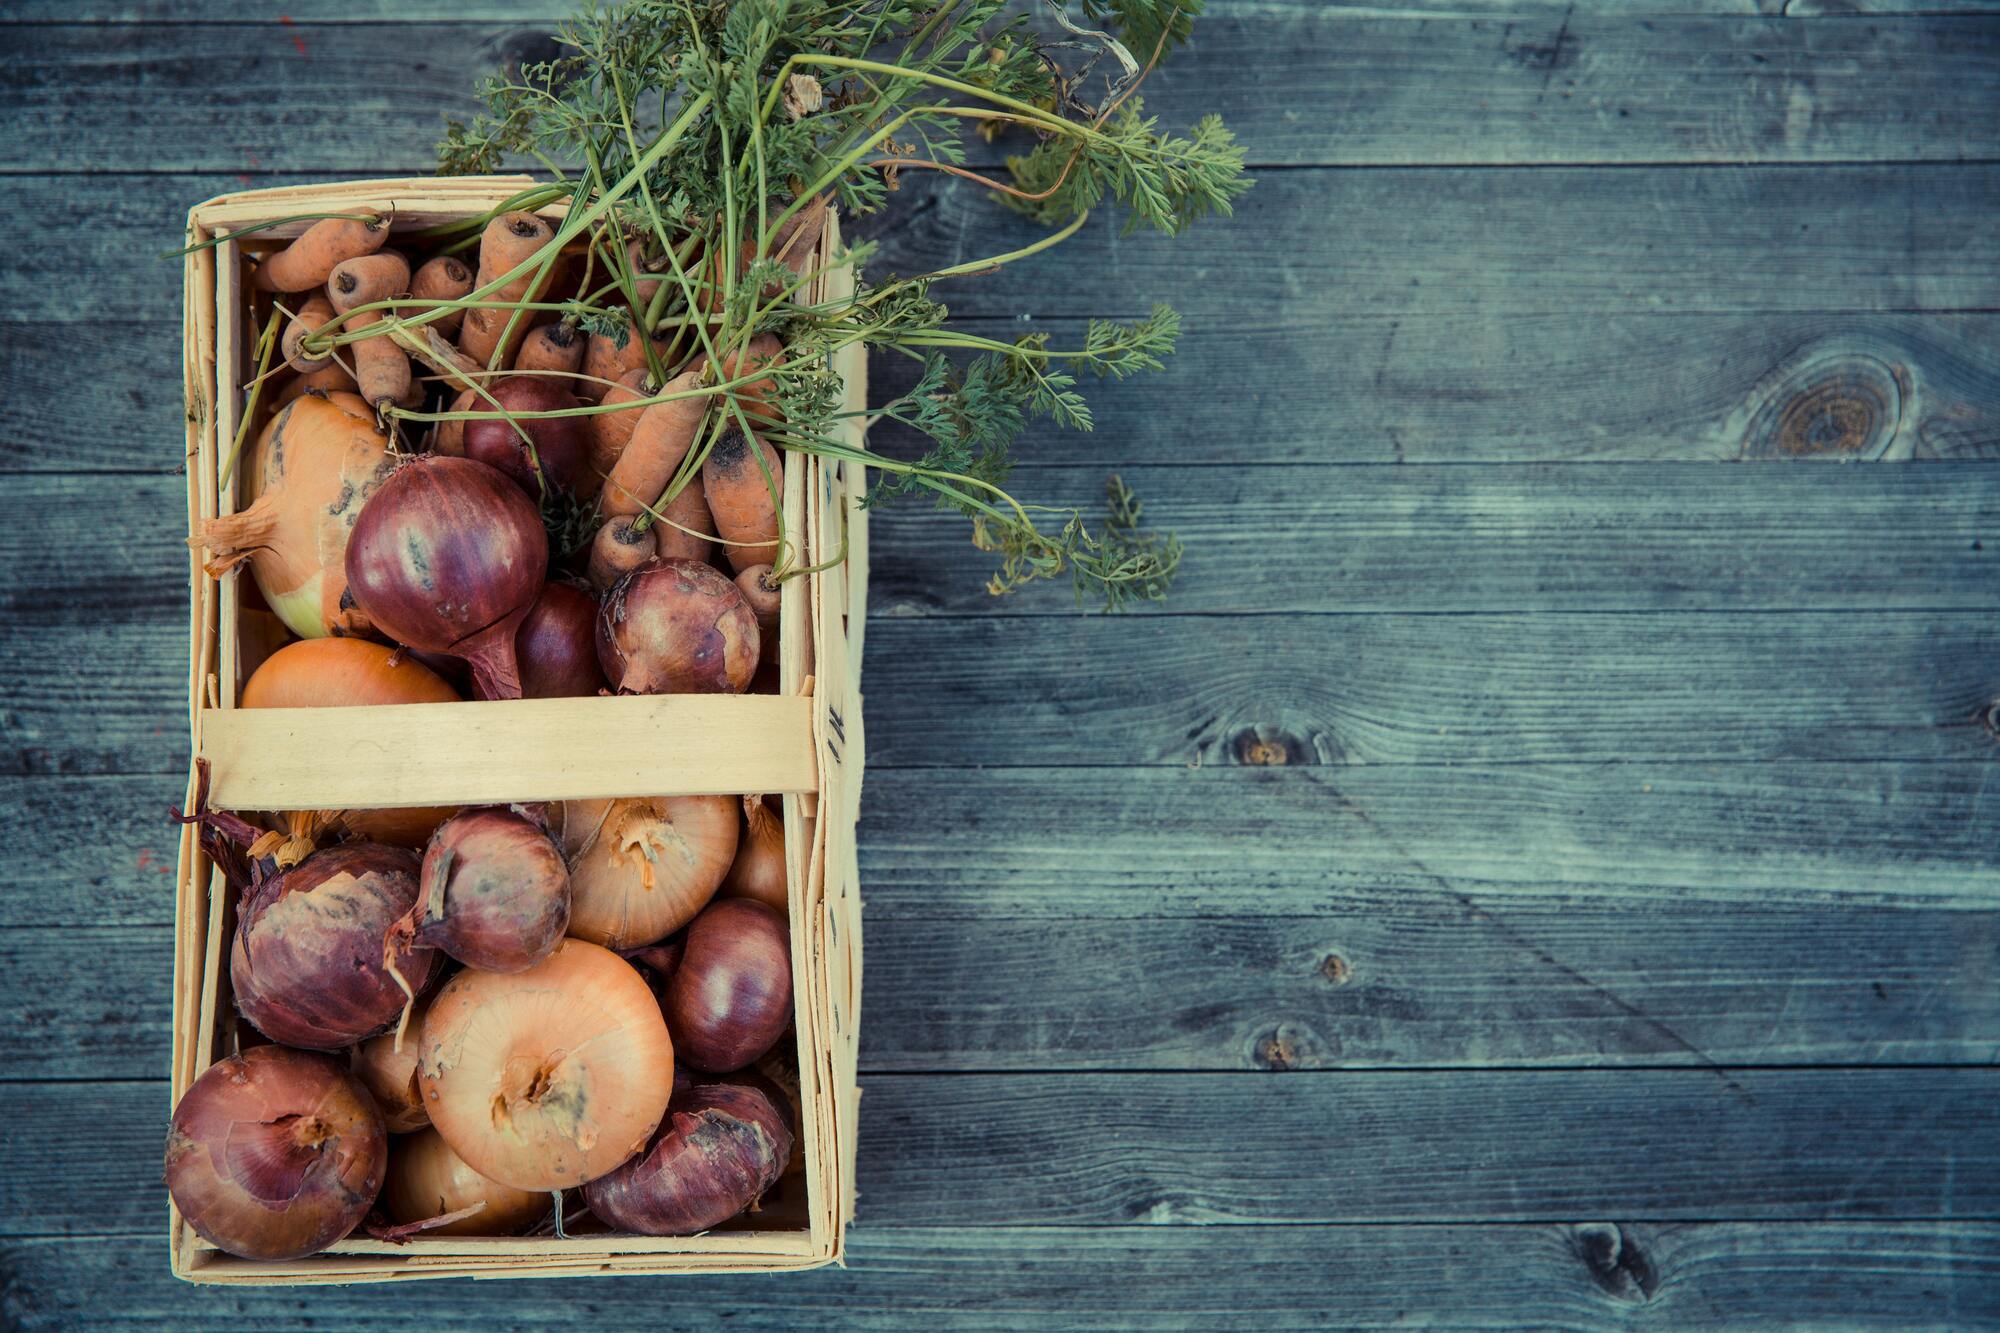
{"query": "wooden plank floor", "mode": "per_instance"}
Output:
(1542, 867)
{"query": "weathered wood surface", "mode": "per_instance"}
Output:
(550, 12)
(1078, 1149)
(1559, 241)
(1593, 1274)
(1333, 87)
(1480, 387)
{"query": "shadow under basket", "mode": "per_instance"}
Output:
(803, 743)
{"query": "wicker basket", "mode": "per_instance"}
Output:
(804, 742)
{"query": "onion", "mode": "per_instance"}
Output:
(447, 557)
(641, 868)
(427, 1179)
(561, 447)
(722, 1146)
(557, 645)
(310, 963)
(335, 673)
(759, 868)
(387, 1067)
(731, 997)
(674, 626)
(316, 464)
(275, 1154)
(548, 1078)
(494, 892)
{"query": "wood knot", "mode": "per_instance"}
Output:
(1335, 969)
(1617, 1265)
(1831, 405)
(1288, 1046)
(1989, 718)
(1269, 747)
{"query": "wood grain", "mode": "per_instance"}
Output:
(1587, 1275)
(1534, 88)
(1173, 1149)
(1394, 242)
(395, 12)
(1477, 387)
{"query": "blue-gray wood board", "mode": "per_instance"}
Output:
(1540, 867)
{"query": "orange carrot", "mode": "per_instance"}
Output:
(307, 318)
(606, 360)
(450, 437)
(381, 368)
(617, 550)
(306, 262)
(686, 535)
(741, 499)
(443, 279)
(754, 397)
(765, 596)
(551, 347)
(509, 240)
(331, 378)
(367, 279)
(610, 431)
(660, 440)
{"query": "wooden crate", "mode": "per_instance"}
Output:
(805, 742)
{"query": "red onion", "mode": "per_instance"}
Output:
(562, 446)
(557, 645)
(275, 1153)
(312, 961)
(759, 868)
(446, 557)
(676, 627)
(494, 893)
(720, 1148)
(730, 999)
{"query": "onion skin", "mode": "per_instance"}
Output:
(390, 1075)
(758, 872)
(722, 1146)
(307, 963)
(315, 466)
(549, 1078)
(427, 1179)
(447, 557)
(275, 1153)
(641, 868)
(342, 673)
(561, 446)
(557, 645)
(731, 997)
(494, 892)
(675, 626)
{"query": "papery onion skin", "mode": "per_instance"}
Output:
(641, 868)
(342, 673)
(447, 557)
(494, 892)
(676, 626)
(307, 963)
(275, 1153)
(315, 466)
(557, 645)
(390, 1075)
(731, 997)
(561, 445)
(758, 872)
(427, 1179)
(722, 1146)
(549, 1078)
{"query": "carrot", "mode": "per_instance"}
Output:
(688, 510)
(764, 595)
(606, 360)
(306, 262)
(617, 550)
(551, 347)
(381, 368)
(509, 241)
(610, 431)
(332, 378)
(635, 252)
(660, 440)
(754, 397)
(741, 499)
(308, 318)
(450, 437)
(443, 279)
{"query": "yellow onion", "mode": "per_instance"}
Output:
(759, 868)
(427, 1179)
(640, 868)
(314, 466)
(549, 1078)
(387, 1067)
